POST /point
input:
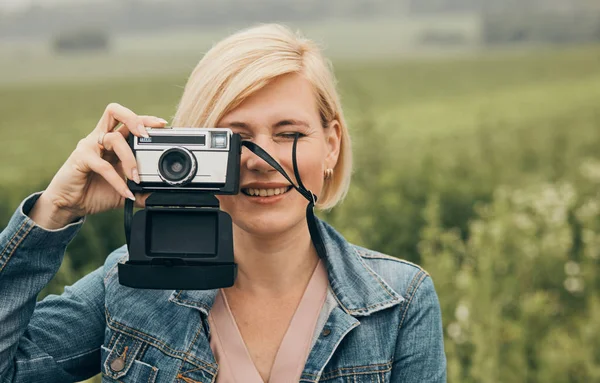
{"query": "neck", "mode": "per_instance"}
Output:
(276, 265)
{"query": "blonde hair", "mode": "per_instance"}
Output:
(245, 62)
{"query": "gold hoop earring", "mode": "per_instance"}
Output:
(328, 174)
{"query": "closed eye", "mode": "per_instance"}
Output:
(291, 135)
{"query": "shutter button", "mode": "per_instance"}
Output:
(326, 332)
(119, 363)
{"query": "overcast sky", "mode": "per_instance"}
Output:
(17, 5)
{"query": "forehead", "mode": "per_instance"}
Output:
(287, 96)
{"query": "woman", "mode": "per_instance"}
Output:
(354, 315)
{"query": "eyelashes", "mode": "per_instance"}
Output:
(287, 136)
(291, 136)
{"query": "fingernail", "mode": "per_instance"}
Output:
(136, 176)
(163, 120)
(142, 130)
(130, 195)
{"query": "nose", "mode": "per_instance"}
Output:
(254, 162)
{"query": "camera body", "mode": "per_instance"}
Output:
(187, 159)
(181, 239)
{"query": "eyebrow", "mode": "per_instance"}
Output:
(286, 122)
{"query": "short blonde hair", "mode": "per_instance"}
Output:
(245, 62)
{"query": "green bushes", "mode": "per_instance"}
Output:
(520, 296)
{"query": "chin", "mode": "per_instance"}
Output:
(267, 225)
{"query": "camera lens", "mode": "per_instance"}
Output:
(177, 166)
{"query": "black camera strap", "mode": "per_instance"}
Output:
(309, 195)
(260, 152)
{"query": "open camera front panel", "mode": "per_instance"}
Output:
(181, 233)
(190, 235)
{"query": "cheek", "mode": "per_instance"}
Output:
(310, 166)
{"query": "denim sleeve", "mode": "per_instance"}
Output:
(420, 353)
(57, 339)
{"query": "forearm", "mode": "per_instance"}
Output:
(29, 257)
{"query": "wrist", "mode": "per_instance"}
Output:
(49, 216)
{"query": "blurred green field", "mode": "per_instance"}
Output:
(448, 152)
(177, 51)
(416, 99)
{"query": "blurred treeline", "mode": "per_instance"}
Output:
(499, 22)
(485, 171)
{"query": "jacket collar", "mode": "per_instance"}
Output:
(357, 288)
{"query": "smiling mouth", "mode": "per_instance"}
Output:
(252, 192)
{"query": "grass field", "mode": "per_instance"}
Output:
(415, 99)
(451, 130)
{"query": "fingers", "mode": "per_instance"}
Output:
(146, 121)
(108, 172)
(116, 113)
(116, 142)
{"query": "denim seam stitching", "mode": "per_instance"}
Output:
(319, 373)
(134, 351)
(414, 286)
(76, 356)
(368, 308)
(111, 324)
(346, 310)
(14, 247)
(33, 360)
(111, 341)
(108, 273)
(377, 278)
(155, 342)
(191, 303)
(142, 351)
(388, 257)
(405, 304)
(340, 371)
(151, 377)
(200, 327)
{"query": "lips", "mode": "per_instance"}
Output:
(265, 191)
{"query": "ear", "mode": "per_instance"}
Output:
(333, 140)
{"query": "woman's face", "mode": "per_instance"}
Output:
(267, 204)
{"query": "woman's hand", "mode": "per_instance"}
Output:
(92, 179)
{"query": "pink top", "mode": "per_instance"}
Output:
(227, 344)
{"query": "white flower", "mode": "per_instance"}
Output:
(530, 249)
(455, 332)
(523, 222)
(462, 312)
(572, 268)
(573, 285)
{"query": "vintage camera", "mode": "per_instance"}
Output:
(181, 239)
(187, 159)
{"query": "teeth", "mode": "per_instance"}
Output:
(265, 192)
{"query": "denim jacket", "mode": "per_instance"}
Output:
(384, 326)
